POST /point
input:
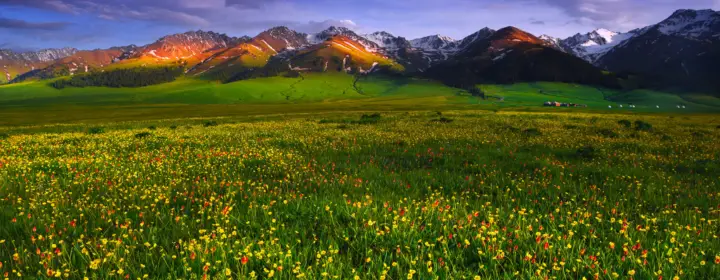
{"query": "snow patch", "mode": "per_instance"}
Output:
(269, 46)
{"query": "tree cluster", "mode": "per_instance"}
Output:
(129, 77)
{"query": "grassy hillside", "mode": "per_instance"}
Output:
(305, 88)
(534, 94)
(38, 103)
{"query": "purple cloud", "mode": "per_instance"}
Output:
(9, 23)
(624, 14)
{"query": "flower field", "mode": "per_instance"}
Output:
(458, 195)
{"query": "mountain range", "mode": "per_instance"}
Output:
(682, 51)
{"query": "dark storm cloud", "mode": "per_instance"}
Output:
(9, 23)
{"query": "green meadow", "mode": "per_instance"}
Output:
(37, 103)
(333, 177)
(468, 194)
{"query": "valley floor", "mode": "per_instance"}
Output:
(418, 195)
(36, 103)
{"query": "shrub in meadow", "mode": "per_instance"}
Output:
(369, 119)
(625, 123)
(96, 130)
(699, 134)
(643, 126)
(442, 120)
(143, 134)
(609, 133)
(532, 132)
(586, 152)
(210, 123)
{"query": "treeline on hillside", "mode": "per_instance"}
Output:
(129, 77)
(525, 63)
(42, 74)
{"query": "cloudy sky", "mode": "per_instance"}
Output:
(88, 24)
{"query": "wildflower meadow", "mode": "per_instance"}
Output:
(425, 195)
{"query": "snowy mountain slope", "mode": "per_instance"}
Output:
(593, 45)
(188, 45)
(552, 41)
(440, 48)
(13, 63)
(45, 55)
(387, 41)
(694, 24)
(342, 31)
(434, 42)
(680, 51)
(511, 55)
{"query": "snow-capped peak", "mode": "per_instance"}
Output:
(548, 37)
(433, 42)
(551, 41)
(342, 31)
(607, 35)
(691, 23)
(382, 39)
(388, 42)
(44, 55)
(479, 35)
(593, 45)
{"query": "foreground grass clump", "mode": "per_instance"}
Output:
(402, 198)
